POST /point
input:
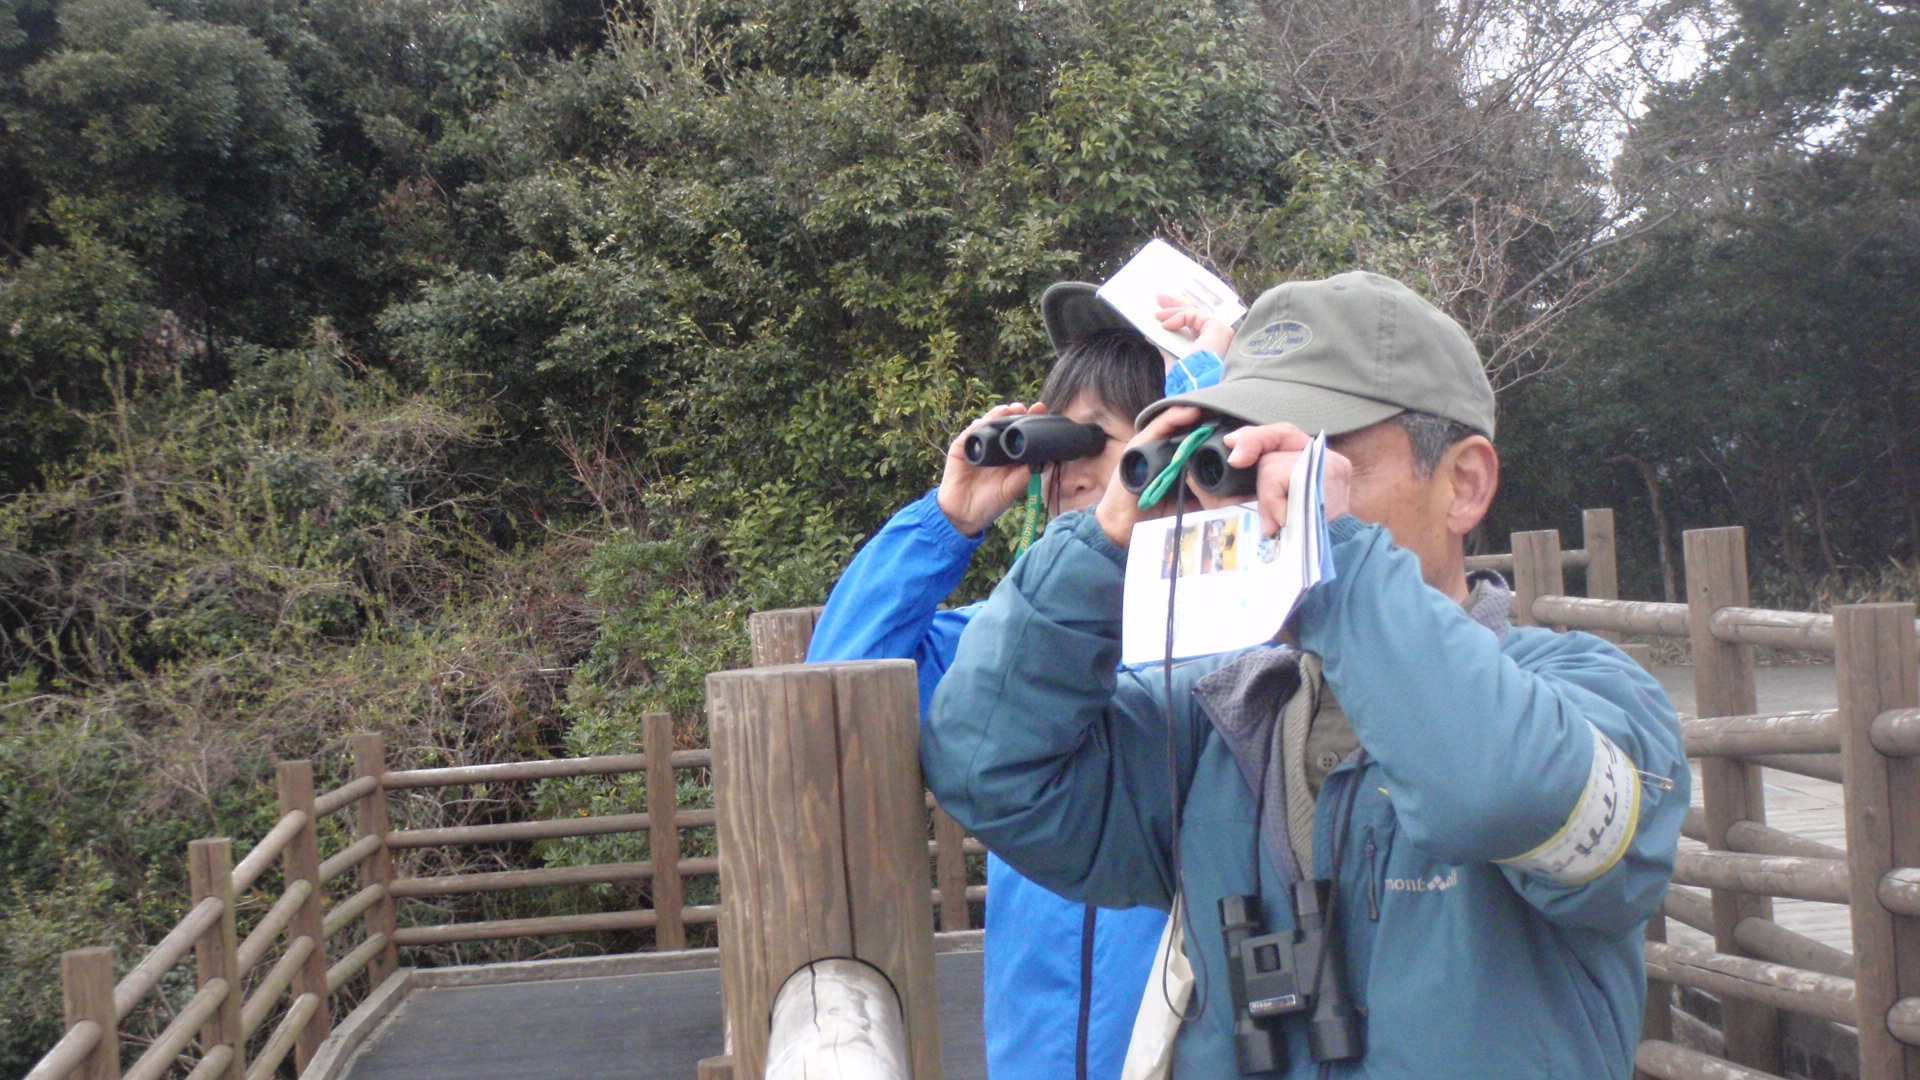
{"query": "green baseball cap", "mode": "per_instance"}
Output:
(1345, 353)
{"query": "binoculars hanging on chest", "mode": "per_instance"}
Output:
(1207, 468)
(1298, 972)
(1032, 441)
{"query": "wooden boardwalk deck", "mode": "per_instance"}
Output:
(651, 1026)
(1796, 804)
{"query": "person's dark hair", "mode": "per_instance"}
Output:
(1431, 436)
(1118, 367)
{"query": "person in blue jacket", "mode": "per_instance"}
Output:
(1496, 807)
(1063, 978)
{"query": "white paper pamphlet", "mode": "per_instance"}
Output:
(1161, 268)
(1232, 588)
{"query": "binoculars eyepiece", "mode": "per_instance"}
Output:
(1032, 441)
(1207, 468)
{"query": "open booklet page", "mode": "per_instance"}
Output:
(1232, 588)
(1161, 268)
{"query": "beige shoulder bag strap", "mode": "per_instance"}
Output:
(1150, 1051)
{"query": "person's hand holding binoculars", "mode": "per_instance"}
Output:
(1271, 449)
(973, 496)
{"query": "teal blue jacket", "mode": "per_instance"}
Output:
(1514, 823)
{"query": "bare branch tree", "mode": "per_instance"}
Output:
(1505, 119)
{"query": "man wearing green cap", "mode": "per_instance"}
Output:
(1495, 809)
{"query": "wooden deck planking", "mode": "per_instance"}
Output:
(654, 1026)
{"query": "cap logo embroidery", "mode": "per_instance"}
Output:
(1278, 338)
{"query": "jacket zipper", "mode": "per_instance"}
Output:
(1373, 901)
(1082, 1037)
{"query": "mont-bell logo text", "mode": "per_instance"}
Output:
(1436, 883)
(1278, 338)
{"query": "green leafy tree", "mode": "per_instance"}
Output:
(1757, 366)
(173, 139)
(76, 324)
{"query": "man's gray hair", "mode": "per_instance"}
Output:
(1431, 436)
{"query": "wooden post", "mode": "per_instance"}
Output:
(714, 1068)
(301, 862)
(370, 759)
(1716, 561)
(782, 636)
(1536, 572)
(210, 871)
(1603, 571)
(1875, 656)
(663, 834)
(822, 840)
(1657, 1021)
(86, 980)
(950, 872)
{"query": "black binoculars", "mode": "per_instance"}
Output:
(1032, 441)
(1297, 971)
(1207, 468)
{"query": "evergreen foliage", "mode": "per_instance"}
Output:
(1758, 363)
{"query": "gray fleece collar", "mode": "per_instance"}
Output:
(1246, 699)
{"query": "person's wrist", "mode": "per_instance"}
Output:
(1116, 521)
(961, 522)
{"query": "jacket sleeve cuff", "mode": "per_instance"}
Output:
(1350, 537)
(1088, 531)
(1344, 528)
(933, 523)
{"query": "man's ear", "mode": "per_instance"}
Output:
(1472, 472)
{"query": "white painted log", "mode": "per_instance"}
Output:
(837, 1020)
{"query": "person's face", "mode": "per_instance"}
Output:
(1387, 489)
(1429, 516)
(1080, 483)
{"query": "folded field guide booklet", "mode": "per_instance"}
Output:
(1161, 268)
(1235, 588)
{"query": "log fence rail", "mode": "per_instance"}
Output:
(221, 1033)
(1869, 744)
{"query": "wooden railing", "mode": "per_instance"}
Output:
(781, 637)
(245, 1018)
(218, 1032)
(665, 871)
(1535, 564)
(291, 966)
(1869, 744)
